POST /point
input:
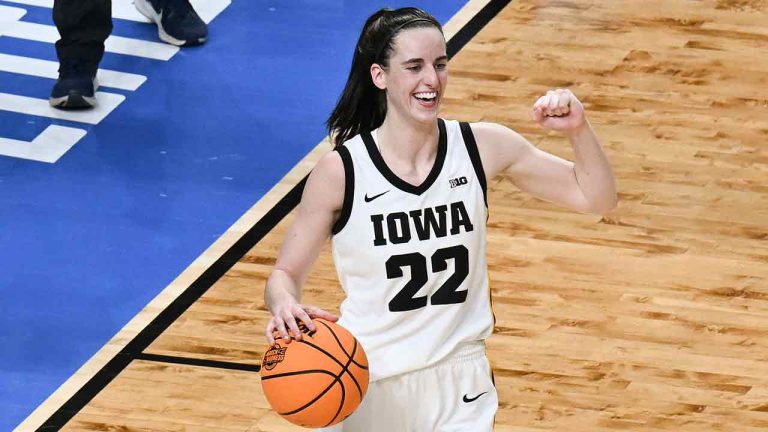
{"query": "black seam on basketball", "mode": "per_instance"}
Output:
(352, 356)
(341, 405)
(322, 351)
(343, 388)
(344, 368)
(351, 359)
(309, 404)
(330, 386)
(323, 371)
(335, 337)
(337, 379)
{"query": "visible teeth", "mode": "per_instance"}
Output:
(426, 95)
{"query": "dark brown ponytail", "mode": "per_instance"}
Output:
(362, 106)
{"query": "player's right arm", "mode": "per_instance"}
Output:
(320, 206)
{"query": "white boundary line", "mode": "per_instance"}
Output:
(124, 9)
(48, 147)
(113, 44)
(40, 107)
(50, 69)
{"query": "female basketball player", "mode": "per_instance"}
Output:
(404, 198)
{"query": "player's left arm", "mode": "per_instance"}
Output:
(586, 185)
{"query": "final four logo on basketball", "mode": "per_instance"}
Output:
(458, 181)
(275, 355)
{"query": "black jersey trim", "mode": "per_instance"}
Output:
(474, 156)
(349, 189)
(378, 161)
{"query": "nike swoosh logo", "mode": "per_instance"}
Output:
(369, 199)
(468, 400)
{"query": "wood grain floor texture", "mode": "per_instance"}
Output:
(652, 318)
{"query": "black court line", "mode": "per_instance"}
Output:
(188, 361)
(134, 349)
(473, 27)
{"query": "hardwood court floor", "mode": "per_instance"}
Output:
(653, 318)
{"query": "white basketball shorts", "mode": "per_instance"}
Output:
(456, 394)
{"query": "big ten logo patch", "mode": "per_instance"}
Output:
(458, 181)
(275, 355)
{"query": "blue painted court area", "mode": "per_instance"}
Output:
(87, 241)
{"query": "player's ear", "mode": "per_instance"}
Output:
(379, 76)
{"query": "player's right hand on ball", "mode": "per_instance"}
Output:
(284, 325)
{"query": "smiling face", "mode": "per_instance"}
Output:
(417, 75)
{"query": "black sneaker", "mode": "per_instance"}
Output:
(76, 86)
(177, 22)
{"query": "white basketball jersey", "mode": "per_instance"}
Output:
(411, 259)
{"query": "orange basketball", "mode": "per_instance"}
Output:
(319, 380)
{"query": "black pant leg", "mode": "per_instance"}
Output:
(83, 25)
